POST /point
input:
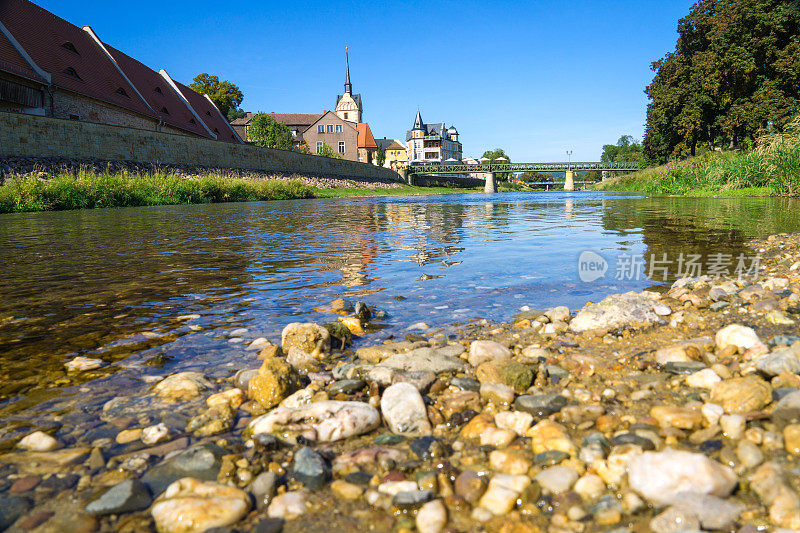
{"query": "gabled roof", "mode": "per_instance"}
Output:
(11, 61)
(155, 91)
(209, 113)
(365, 138)
(356, 99)
(290, 119)
(334, 116)
(69, 54)
(390, 144)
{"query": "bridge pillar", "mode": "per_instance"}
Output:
(569, 184)
(491, 183)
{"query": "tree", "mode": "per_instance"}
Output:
(235, 113)
(304, 149)
(626, 149)
(734, 74)
(327, 151)
(535, 177)
(380, 156)
(264, 130)
(496, 154)
(225, 95)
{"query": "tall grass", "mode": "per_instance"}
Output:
(773, 165)
(86, 190)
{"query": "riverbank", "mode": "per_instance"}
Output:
(647, 411)
(770, 168)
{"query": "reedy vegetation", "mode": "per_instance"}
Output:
(94, 190)
(772, 166)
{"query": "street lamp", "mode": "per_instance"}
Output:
(569, 159)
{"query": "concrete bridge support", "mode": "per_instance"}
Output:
(569, 182)
(491, 183)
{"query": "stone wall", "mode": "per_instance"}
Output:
(67, 105)
(435, 180)
(34, 136)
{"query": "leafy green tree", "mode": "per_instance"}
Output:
(535, 177)
(235, 113)
(380, 155)
(225, 95)
(626, 149)
(264, 130)
(495, 154)
(734, 74)
(327, 151)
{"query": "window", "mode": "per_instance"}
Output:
(74, 117)
(338, 128)
(216, 131)
(294, 133)
(192, 121)
(158, 90)
(69, 71)
(164, 110)
(319, 146)
(345, 115)
(122, 92)
(330, 128)
(341, 146)
(320, 129)
(69, 46)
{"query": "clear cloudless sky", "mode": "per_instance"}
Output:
(535, 78)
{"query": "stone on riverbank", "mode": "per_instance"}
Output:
(275, 381)
(404, 410)
(310, 469)
(199, 462)
(39, 441)
(483, 351)
(309, 337)
(783, 503)
(618, 311)
(323, 421)
(82, 364)
(182, 386)
(741, 337)
(192, 505)
(742, 395)
(125, 497)
(505, 372)
(424, 360)
(662, 476)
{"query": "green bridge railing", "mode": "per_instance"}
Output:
(520, 167)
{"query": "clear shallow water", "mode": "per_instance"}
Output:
(117, 284)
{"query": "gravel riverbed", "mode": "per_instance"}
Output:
(664, 411)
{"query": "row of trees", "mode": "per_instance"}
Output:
(734, 74)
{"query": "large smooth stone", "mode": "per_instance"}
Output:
(309, 337)
(324, 421)
(618, 311)
(742, 395)
(275, 381)
(129, 495)
(662, 476)
(191, 505)
(199, 462)
(310, 469)
(182, 386)
(483, 351)
(404, 410)
(424, 360)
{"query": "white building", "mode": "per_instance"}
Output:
(432, 143)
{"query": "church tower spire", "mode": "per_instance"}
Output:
(348, 87)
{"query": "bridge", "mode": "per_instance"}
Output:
(490, 169)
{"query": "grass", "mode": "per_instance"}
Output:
(771, 168)
(87, 190)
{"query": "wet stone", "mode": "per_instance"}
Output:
(199, 462)
(127, 496)
(466, 384)
(359, 478)
(540, 405)
(310, 468)
(263, 488)
(633, 438)
(59, 483)
(388, 438)
(426, 448)
(269, 525)
(684, 368)
(11, 508)
(555, 371)
(549, 458)
(788, 340)
(412, 499)
(421, 380)
(347, 386)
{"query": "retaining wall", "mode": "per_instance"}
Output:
(35, 136)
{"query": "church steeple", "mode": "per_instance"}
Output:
(348, 87)
(418, 125)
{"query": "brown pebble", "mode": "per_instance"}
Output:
(470, 486)
(394, 475)
(24, 484)
(35, 520)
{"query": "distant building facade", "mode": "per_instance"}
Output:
(432, 143)
(51, 67)
(341, 135)
(367, 148)
(297, 123)
(395, 153)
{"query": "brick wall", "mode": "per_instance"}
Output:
(90, 110)
(27, 135)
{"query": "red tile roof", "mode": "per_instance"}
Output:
(12, 62)
(365, 138)
(69, 54)
(290, 119)
(209, 114)
(158, 95)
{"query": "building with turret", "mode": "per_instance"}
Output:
(432, 143)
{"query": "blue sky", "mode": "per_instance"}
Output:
(535, 78)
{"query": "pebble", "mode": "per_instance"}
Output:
(509, 461)
(779, 361)
(783, 502)
(556, 479)
(791, 438)
(404, 410)
(308, 337)
(674, 520)
(590, 487)
(470, 486)
(661, 476)
(749, 454)
(411, 499)
(127, 496)
(712, 512)
(742, 395)
(617, 311)
(310, 469)
(82, 364)
(39, 441)
(288, 505)
(540, 405)
(323, 421)
(11, 508)
(678, 417)
(154, 434)
(275, 380)
(517, 421)
(506, 372)
(741, 337)
(502, 493)
(193, 505)
(346, 491)
(182, 386)
(424, 360)
(733, 426)
(704, 379)
(431, 517)
(497, 393)
(263, 488)
(483, 351)
(548, 435)
(128, 435)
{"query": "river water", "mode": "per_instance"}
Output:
(164, 289)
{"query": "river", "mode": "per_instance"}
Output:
(165, 289)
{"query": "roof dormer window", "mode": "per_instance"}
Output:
(158, 90)
(208, 113)
(216, 131)
(72, 73)
(192, 121)
(122, 92)
(69, 46)
(164, 110)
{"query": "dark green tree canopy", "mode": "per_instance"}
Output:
(626, 149)
(225, 95)
(264, 130)
(494, 155)
(380, 155)
(734, 73)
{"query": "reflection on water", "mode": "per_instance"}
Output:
(125, 284)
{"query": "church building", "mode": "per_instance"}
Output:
(348, 105)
